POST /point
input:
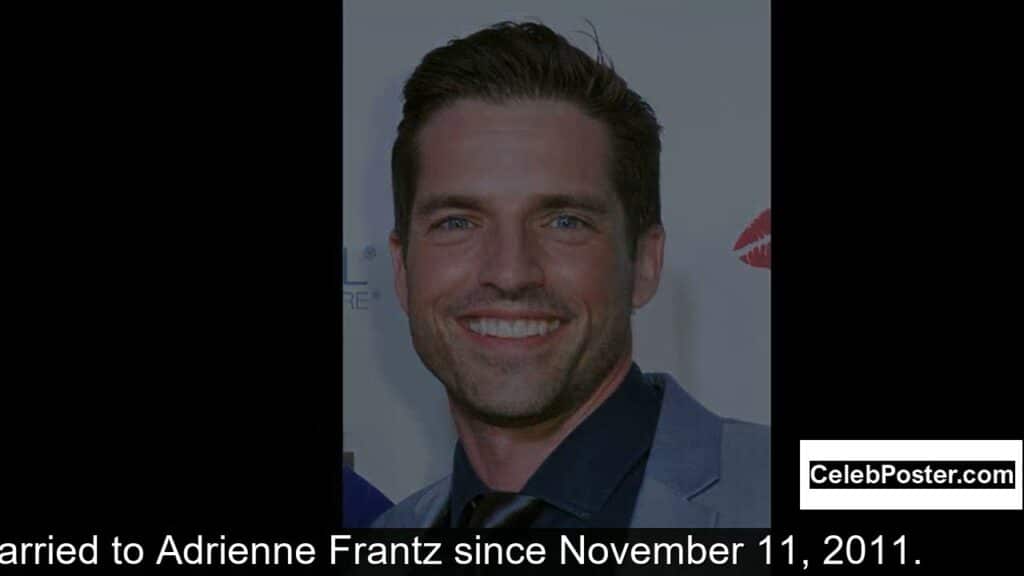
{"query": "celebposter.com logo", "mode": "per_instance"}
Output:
(358, 294)
(910, 474)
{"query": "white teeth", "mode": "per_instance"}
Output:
(512, 329)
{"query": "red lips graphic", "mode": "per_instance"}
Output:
(756, 241)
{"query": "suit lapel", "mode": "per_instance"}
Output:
(660, 506)
(685, 459)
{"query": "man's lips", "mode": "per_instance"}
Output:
(507, 328)
(757, 241)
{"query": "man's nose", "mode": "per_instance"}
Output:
(511, 261)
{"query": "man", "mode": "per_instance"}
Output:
(528, 229)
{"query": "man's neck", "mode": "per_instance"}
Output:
(505, 458)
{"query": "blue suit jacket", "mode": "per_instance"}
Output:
(703, 471)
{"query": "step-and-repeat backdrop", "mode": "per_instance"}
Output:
(704, 66)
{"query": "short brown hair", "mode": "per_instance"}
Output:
(509, 61)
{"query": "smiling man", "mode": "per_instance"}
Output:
(528, 229)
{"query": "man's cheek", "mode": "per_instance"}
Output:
(582, 275)
(429, 293)
(441, 267)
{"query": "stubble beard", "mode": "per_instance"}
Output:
(516, 394)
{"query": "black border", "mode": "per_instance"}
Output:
(174, 247)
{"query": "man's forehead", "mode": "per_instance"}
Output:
(514, 148)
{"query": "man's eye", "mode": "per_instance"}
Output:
(454, 223)
(567, 222)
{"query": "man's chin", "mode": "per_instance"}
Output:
(509, 402)
(502, 416)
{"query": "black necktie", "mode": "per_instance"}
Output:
(501, 510)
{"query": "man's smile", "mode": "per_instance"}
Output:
(501, 328)
(516, 328)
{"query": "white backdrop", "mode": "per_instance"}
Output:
(704, 66)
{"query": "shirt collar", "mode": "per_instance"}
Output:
(466, 485)
(584, 470)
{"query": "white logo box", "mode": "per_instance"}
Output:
(909, 498)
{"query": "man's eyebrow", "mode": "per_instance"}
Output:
(595, 206)
(448, 202)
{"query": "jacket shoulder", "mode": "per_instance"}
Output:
(718, 469)
(419, 509)
(742, 494)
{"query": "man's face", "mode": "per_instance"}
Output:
(517, 279)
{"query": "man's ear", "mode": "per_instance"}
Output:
(650, 252)
(398, 266)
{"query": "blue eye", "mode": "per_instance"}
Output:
(455, 223)
(567, 221)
